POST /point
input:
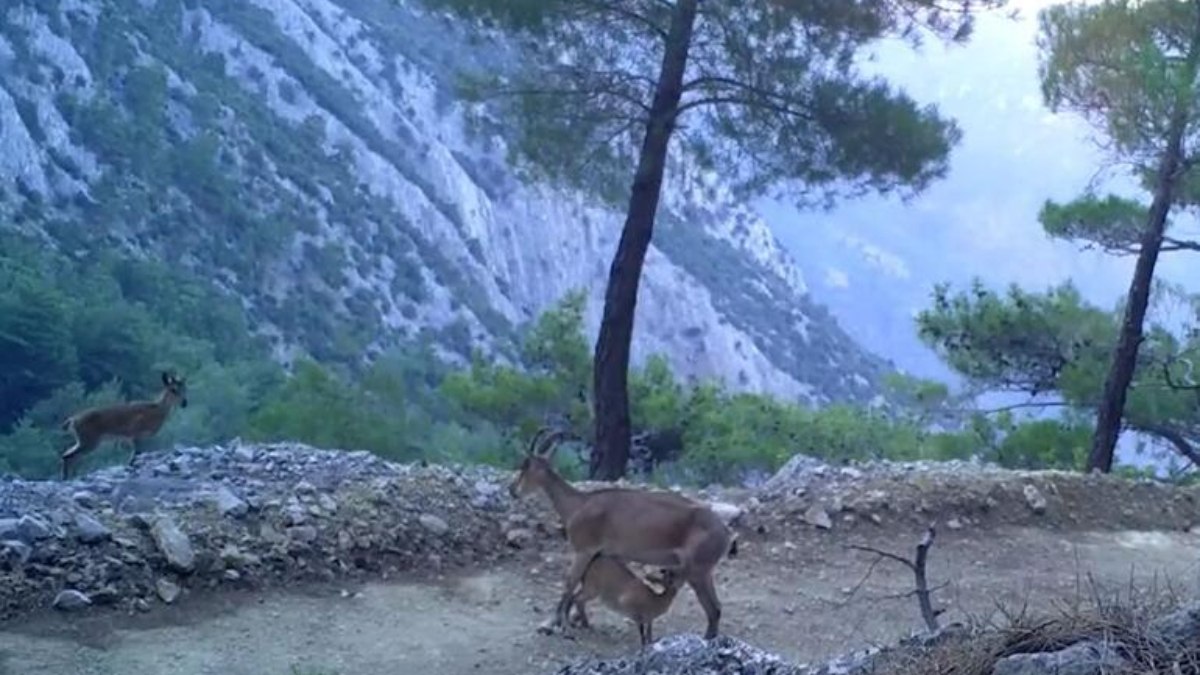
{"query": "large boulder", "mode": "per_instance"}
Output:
(1084, 658)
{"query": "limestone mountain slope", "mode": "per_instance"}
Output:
(310, 157)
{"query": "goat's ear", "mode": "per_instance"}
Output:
(166, 378)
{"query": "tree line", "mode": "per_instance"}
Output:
(78, 331)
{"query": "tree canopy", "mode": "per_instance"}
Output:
(769, 92)
(1055, 347)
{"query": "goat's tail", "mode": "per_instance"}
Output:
(733, 546)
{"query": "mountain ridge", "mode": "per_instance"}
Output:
(310, 157)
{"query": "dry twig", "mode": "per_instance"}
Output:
(922, 590)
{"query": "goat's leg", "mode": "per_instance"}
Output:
(135, 446)
(573, 578)
(68, 457)
(581, 617)
(706, 593)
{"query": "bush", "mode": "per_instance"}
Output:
(81, 332)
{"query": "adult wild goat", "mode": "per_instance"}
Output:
(623, 591)
(133, 421)
(653, 528)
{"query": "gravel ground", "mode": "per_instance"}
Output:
(124, 571)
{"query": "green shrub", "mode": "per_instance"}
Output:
(97, 329)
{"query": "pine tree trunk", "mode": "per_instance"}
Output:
(610, 453)
(1124, 360)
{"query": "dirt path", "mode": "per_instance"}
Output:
(787, 597)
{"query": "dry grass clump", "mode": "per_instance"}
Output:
(1121, 620)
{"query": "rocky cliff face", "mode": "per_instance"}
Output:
(309, 157)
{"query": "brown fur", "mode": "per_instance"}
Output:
(652, 528)
(623, 591)
(133, 422)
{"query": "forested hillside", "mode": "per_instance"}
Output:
(308, 159)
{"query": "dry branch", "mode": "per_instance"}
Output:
(921, 590)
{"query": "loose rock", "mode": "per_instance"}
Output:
(89, 530)
(303, 533)
(174, 545)
(295, 514)
(1085, 658)
(106, 595)
(168, 591)
(1034, 498)
(71, 601)
(818, 517)
(327, 503)
(230, 504)
(518, 537)
(434, 524)
(84, 498)
(32, 528)
(15, 551)
(1180, 628)
(688, 655)
(234, 557)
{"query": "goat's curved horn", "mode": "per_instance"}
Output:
(535, 443)
(550, 442)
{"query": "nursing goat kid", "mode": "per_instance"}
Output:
(653, 528)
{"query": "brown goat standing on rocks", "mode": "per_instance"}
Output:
(623, 591)
(653, 528)
(134, 422)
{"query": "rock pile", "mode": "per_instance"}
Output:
(1171, 641)
(959, 494)
(244, 516)
(248, 516)
(689, 654)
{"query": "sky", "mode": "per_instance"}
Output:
(875, 260)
